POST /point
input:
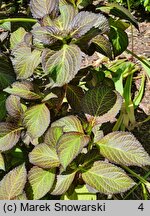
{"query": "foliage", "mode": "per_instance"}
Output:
(134, 3)
(53, 109)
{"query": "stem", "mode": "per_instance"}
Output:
(145, 177)
(146, 120)
(132, 44)
(144, 192)
(18, 20)
(118, 123)
(142, 180)
(137, 57)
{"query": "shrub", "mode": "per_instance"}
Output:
(51, 142)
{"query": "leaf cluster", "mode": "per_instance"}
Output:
(51, 141)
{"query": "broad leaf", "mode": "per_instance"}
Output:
(47, 21)
(44, 156)
(74, 95)
(80, 3)
(3, 36)
(69, 146)
(43, 7)
(17, 37)
(7, 75)
(63, 183)
(23, 89)
(110, 115)
(52, 136)
(84, 21)
(2, 164)
(120, 11)
(67, 12)
(13, 183)
(36, 120)
(49, 96)
(83, 3)
(46, 34)
(25, 60)
(119, 40)
(9, 136)
(21, 197)
(98, 134)
(69, 123)
(13, 106)
(107, 178)
(41, 181)
(80, 193)
(6, 26)
(123, 148)
(101, 104)
(102, 45)
(3, 97)
(62, 65)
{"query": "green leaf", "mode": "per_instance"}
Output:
(49, 96)
(98, 134)
(74, 95)
(146, 66)
(25, 60)
(70, 145)
(13, 106)
(13, 183)
(17, 156)
(62, 65)
(2, 164)
(6, 26)
(23, 89)
(67, 12)
(41, 181)
(119, 40)
(44, 156)
(98, 101)
(3, 97)
(101, 104)
(147, 186)
(123, 13)
(119, 23)
(7, 75)
(21, 197)
(107, 178)
(17, 37)
(36, 120)
(85, 21)
(52, 136)
(83, 3)
(80, 193)
(3, 36)
(63, 183)
(9, 136)
(80, 3)
(139, 96)
(43, 7)
(46, 34)
(102, 45)
(69, 123)
(123, 148)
